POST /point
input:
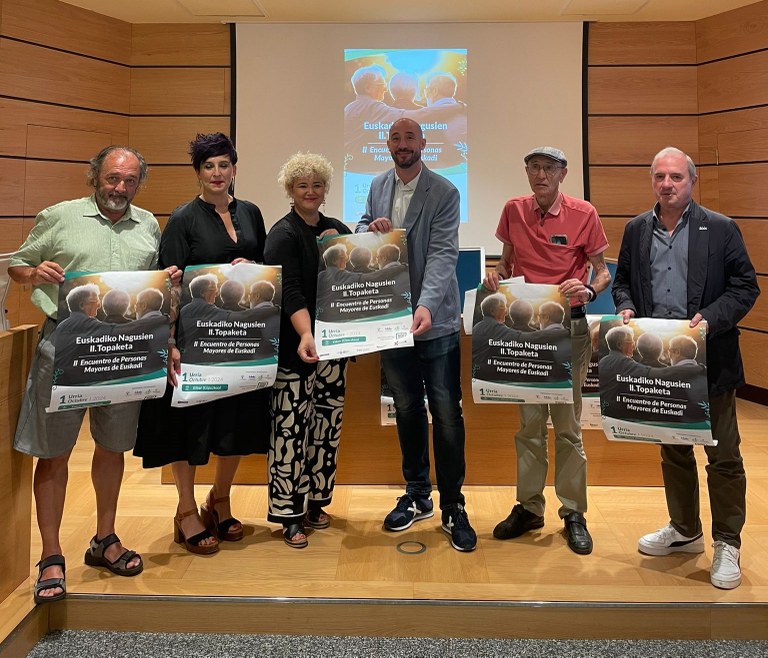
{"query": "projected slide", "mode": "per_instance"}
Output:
(381, 86)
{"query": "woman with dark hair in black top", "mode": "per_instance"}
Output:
(308, 396)
(213, 228)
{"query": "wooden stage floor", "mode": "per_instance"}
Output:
(356, 559)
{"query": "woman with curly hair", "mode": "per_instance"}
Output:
(308, 396)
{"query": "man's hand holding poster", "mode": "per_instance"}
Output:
(228, 331)
(653, 381)
(521, 345)
(363, 294)
(111, 339)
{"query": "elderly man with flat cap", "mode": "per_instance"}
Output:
(552, 238)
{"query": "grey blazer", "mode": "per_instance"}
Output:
(432, 232)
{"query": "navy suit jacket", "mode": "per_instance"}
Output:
(722, 285)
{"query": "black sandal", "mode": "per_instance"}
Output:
(50, 583)
(317, 518)
(290, 531)
(222, 530)
(94, 557)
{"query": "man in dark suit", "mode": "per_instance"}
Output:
(426, 205)
(680, 260)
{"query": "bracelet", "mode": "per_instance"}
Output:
(592, 292)
(171, 340)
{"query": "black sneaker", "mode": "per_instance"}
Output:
(409, 508)
(517, 523)
(456, 524)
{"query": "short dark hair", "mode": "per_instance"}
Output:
(97, 162)
(204, 146)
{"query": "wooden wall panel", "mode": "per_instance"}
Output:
(755, 232)
(12, 188)
(733, 32)
(614, 231)
(621, 190)
(47, 183)
(16, 115)
(60, 25)
(757, 318)
(180, 45)
(743, 146)
(166, 188)
(634, 140)
(628, 43)
(708, 187)
(741, 192)
(10, 234)
(180, 91)
(165, 140)
(36, 73)
(713, 126)
(644, 90)
(734, 83)
(64, 143)
(754, 347)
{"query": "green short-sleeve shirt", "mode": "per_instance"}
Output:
(76, 236)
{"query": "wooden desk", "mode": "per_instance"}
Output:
(16, 349)
(370, 453)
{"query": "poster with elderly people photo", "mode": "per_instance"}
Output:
(653, 381)
(363, 294)
(521, 345)
(111, 338)
(228, 331)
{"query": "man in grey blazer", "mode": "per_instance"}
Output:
(427, 206)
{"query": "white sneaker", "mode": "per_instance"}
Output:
(726, 573)
(668, 540)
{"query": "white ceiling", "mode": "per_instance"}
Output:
(405, 11)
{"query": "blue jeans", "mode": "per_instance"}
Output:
(433, 366)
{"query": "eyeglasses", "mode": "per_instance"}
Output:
(549, 169)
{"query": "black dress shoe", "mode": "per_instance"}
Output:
(579, 539)
(517, 523)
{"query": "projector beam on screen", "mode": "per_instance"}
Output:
(524, 89)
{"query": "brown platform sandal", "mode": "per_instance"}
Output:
(220, 529)
(192, 544)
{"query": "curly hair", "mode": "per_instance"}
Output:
(303, 165)
(204, 146)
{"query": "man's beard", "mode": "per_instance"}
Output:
(114, 202)
(415, 157)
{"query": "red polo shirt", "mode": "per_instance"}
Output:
(539, 259)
